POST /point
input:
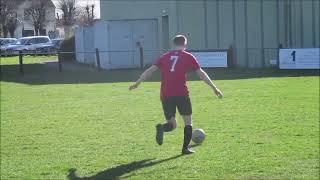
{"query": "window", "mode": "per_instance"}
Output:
(46, 40)
(12, 41)
(32, 41)
(22, 41)
(41, 40)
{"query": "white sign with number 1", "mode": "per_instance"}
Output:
(308, 58)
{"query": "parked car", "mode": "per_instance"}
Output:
(6, 42)
(57, 43)
(54, 47)
(30, 45)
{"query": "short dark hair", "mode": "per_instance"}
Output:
(180, 40)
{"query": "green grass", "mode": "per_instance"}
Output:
(26, 59)
(85, 123)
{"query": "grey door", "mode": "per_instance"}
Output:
(120, 55)
(145, 33)
(88, 44)
(101, 42)
(79, 38)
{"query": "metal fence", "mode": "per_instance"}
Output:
(141, 58)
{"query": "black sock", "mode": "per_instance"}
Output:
(167, 127)
(187, 135)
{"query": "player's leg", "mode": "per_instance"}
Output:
(187, 132)
(185, 109)
(169, 109)
(170, 125)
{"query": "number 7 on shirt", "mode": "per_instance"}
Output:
(174, 59)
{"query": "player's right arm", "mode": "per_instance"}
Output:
(204, 76)
(144, 76)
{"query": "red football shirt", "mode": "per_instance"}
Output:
(174, 66)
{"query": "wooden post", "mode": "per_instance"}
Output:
(59, 62)
(98, 59)
(278, 59)
(141, 57)
(21, 63)
(230, 60)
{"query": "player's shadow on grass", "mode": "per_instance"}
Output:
(194, 145)
(123, 169)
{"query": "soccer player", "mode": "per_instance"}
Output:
(174, 66)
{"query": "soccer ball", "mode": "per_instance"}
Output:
(198, 136)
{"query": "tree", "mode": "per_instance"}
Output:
(68, 8)
(8, 17)
(37, 12)
(12, 24)
(85, 15)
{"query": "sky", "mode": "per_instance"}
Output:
(84, 3)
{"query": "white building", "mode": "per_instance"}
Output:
(25, 25)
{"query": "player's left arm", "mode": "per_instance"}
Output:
(144, 76)
(204, 76)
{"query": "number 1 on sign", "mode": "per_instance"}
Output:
(174, 59)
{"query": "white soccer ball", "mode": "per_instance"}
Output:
(198, 136)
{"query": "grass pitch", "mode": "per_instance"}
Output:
(86, 124)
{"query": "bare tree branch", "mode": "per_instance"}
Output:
(37, 11)
(8, 17)
(68, 8)
(85, 15)
(69, 14)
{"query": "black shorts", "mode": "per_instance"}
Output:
(170, 104)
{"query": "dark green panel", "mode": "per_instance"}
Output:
(307, 24)
(254, 34)
(226, 24)
(270, 24)
(270, 31)
(191, 23)
(254, 24)
(212, 24)
(317, 22)
(240, 33)
(296, 24)
(282, 23)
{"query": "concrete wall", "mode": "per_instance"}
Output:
(254, 28)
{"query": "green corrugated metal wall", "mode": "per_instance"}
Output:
(254, 28)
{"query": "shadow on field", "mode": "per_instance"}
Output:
(116, 172)
(74, 73)
(194, 145)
